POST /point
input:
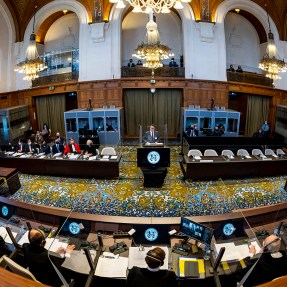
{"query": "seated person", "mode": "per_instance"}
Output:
(59, 138)
(258, 134)
(29, 132)
(265, 128)
(231, 68)
(221, 129)
(216, 132)
(45, 148)
(239, 69)
(151, 136)
(192, 131)
(20, 146)
(38, 138)
(139, 63)
(57, 147)
(173, 63)
(10, 147)
(109, 128)
(90, 149)
(130, 63)
(30, 147)
(152, 275)
(36, 257)
(72, 147)
(272, 263)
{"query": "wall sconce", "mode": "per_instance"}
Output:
(237, 10)
(65, 11)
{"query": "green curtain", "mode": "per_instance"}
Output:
(50, 110)
(257, 113)
(144, 108)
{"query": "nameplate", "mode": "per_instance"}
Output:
(267, 158)
(206, 160)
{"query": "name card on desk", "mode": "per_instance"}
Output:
(206, 160)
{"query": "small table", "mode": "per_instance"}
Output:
(11, 177)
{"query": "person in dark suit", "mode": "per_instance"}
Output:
(30, 147)
(192, 131)
(90, 149)
(59, 139)
(72, 147)
(45, 148)
(173, 63)
(152, 276)
(57, 147)
(272, 262)
(239, 69)
(131, 63)
(36, 257)
(20, 146)
(151, 136)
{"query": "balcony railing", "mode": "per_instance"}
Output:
(57, 78)
(252, 78)
(145, 72)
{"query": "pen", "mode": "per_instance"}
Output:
(109, 257)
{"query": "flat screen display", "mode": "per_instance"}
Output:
(196, 231)
(153, 157)
(229, 229)
(150, 234)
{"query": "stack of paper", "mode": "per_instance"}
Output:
(112, 267)
(235, 252)
(5, 235)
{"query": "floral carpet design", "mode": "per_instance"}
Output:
(126, 196)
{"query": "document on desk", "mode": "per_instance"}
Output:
(5, 235)
(137, 257)
(235, 252)
(112, 267)
(53, 244)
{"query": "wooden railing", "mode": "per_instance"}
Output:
(165, 71)
(252, 78)
(57, 78)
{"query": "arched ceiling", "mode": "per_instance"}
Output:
(22, 12)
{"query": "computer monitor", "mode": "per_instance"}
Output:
(150, 234)
(229, 229)
(152, 157)
(196, 231)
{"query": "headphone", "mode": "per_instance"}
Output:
(154, 256)
(43, 236)
(265, 248)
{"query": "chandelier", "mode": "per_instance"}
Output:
(32, 64)
(146, 6)
(153, 52)
(270, 63)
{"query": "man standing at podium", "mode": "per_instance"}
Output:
(151, 136)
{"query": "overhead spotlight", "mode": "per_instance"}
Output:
(237, 10)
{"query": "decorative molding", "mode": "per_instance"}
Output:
(206, 30)
(97, 31)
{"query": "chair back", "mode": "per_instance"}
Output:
(108, 151)
(210, 152)
(18, 269)
(280, 151)
(257, 151)
(269, 151)
(242, 152)
(194, 152)
(227, 152)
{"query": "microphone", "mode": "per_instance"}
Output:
(277, 229)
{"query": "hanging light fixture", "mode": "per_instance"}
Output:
(270, 63)
(152, 52)
(32, 64)
(144, 6)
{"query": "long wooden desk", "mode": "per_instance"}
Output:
(11, 177)
(63, 167)
(216, 167)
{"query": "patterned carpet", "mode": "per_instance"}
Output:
(127, 196)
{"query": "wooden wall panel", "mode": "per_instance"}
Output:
(110, 92)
